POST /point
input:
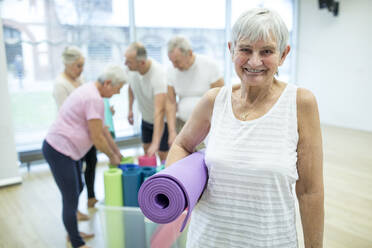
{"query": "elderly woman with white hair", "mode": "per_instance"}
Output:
(79, 125)
(264, 139)
(65, 83)
(69, 79)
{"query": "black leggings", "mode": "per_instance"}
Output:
(90, 171)
(67, 175)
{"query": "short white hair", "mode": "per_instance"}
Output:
(179, 42)
(260, 24)
(70, 54)
(115, 73)
(141, 53)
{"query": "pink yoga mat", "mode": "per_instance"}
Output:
(164, 196)
(147, 161)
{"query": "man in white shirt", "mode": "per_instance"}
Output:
(190, 77)
(147, 84)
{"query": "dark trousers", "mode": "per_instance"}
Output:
(90, 170)
(67, 175)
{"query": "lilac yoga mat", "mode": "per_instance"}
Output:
(164, 196)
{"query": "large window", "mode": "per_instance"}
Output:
(202, 25)
(36, 32)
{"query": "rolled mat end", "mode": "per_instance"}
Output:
(164, 196)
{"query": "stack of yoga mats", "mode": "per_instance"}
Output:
(164, 196)
(147, 161)
(129, 180)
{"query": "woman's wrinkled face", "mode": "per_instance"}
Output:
(76, 68)
(256, 63)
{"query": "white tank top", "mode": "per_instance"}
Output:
(249, 199)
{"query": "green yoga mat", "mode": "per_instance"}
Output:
(113, 187)
(124, 160)
(127, 160)
(115, 228)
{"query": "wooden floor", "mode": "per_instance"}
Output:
(30, 212)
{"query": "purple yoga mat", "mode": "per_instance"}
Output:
(164, 196)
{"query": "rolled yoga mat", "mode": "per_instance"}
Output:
(113, 187)
(131, 183)
(147, 161)
(147, 171)
(164, 196)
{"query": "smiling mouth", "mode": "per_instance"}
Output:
(253, 70)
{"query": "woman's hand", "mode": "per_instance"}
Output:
(114, 159)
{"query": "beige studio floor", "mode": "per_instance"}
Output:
(30, 212)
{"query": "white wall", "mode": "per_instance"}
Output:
(8, 157)
(334, 58)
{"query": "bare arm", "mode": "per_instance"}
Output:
(110, 141)
(218, 83)
(309, 187)
(97, 135)
(171, 109)
(130, 110)
(159, 102)
(195, 129)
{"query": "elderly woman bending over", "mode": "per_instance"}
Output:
(78, 126)
(264, 138)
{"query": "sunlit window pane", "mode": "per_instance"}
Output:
(35, 34)
(159, 21)
(180, 13)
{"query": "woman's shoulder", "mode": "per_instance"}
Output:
(307, 108)
(305, 98)
(211, 94)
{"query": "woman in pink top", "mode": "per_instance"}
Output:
(79, 125)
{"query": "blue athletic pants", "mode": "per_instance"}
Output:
(67, 174)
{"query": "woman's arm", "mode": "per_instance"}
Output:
(309, 187)
(195, 129)
(110, 141)
(97, 135)
(159, 103)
